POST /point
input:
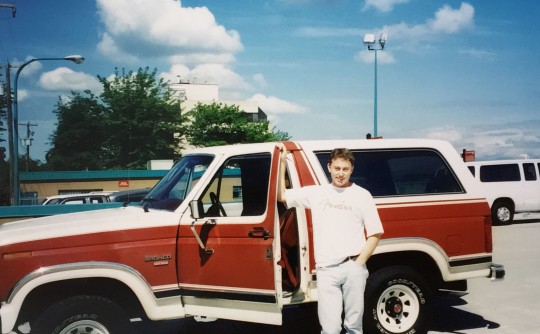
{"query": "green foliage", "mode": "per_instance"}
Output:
(132, 121)
(3, 117)
(143, 121)
(79, 136)
(4, 165)
(218, 124)
(135, 119)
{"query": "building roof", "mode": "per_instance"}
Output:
(91, 175)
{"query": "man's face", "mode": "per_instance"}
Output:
(340, 171)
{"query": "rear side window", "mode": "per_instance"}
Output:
(499, 173)
(529, 172)
(398, 173)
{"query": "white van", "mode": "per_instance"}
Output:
(510, 186)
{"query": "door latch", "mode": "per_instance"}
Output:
(259, 232)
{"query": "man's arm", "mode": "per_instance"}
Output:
(281, 175)
(371, 243)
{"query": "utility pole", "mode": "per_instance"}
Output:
(28, 141)
(12, 158)
(9, 101)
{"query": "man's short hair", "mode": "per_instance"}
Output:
(341, 153)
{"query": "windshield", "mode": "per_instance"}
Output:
(171, 191)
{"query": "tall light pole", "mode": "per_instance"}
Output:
(369, 40)
(77, 59)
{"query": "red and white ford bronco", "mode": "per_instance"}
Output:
(210, 241)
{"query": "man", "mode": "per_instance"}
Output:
(341, 213)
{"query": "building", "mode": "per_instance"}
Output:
(36, 186)
(190, 94)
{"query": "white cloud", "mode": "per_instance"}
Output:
(108, 47)
(446, 21)
(203, 58)
(478, 54)
(22, 94)
(383, 5)
(494, 143)
(329, 32)
(368, 57)
(29, 69)
(162, 28)
(449, 133)
(231, 84)
(260, 80)
(66, 79)
(274, 106)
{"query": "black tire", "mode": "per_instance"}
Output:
(397, 301)
(82, 314)
(502, 213)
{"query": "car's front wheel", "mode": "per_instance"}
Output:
(397, 299)
(82, 314)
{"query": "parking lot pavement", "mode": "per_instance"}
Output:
(496, 307)
(500, 307)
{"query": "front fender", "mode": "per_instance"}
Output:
(153, 307)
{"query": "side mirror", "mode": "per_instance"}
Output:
(197, 210)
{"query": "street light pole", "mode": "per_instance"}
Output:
(369, 40)
(77, 59)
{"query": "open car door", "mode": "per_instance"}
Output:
(227, 254)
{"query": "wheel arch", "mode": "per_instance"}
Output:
(422, 255)
(505, 200)
(47, 294)
(415, 260)
(120, 281)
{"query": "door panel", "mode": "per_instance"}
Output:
(237, 231)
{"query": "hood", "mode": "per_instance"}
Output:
(85, 222)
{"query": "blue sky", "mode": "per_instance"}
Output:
(464, 71)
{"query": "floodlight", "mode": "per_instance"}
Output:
(369, 39)
(382, 39)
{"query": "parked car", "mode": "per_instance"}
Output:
(89, 198)
(510, 186)
(129, 196)
(210, 241)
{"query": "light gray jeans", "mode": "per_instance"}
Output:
(341, 287)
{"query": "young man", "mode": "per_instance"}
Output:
(341, 213)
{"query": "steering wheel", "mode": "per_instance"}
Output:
(215, 202)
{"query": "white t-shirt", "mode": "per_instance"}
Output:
(339, 218)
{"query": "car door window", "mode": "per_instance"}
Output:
(239, 188)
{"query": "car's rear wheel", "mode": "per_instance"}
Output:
(397, 299)
(502, 213)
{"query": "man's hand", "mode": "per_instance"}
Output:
(282, 150)
(371, 243)
(281, 175)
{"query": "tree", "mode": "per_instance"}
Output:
(79, 136)
(4, 165)
(142, 120)
(132, 121)
(218, 124)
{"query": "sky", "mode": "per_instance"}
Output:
(463, 71)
